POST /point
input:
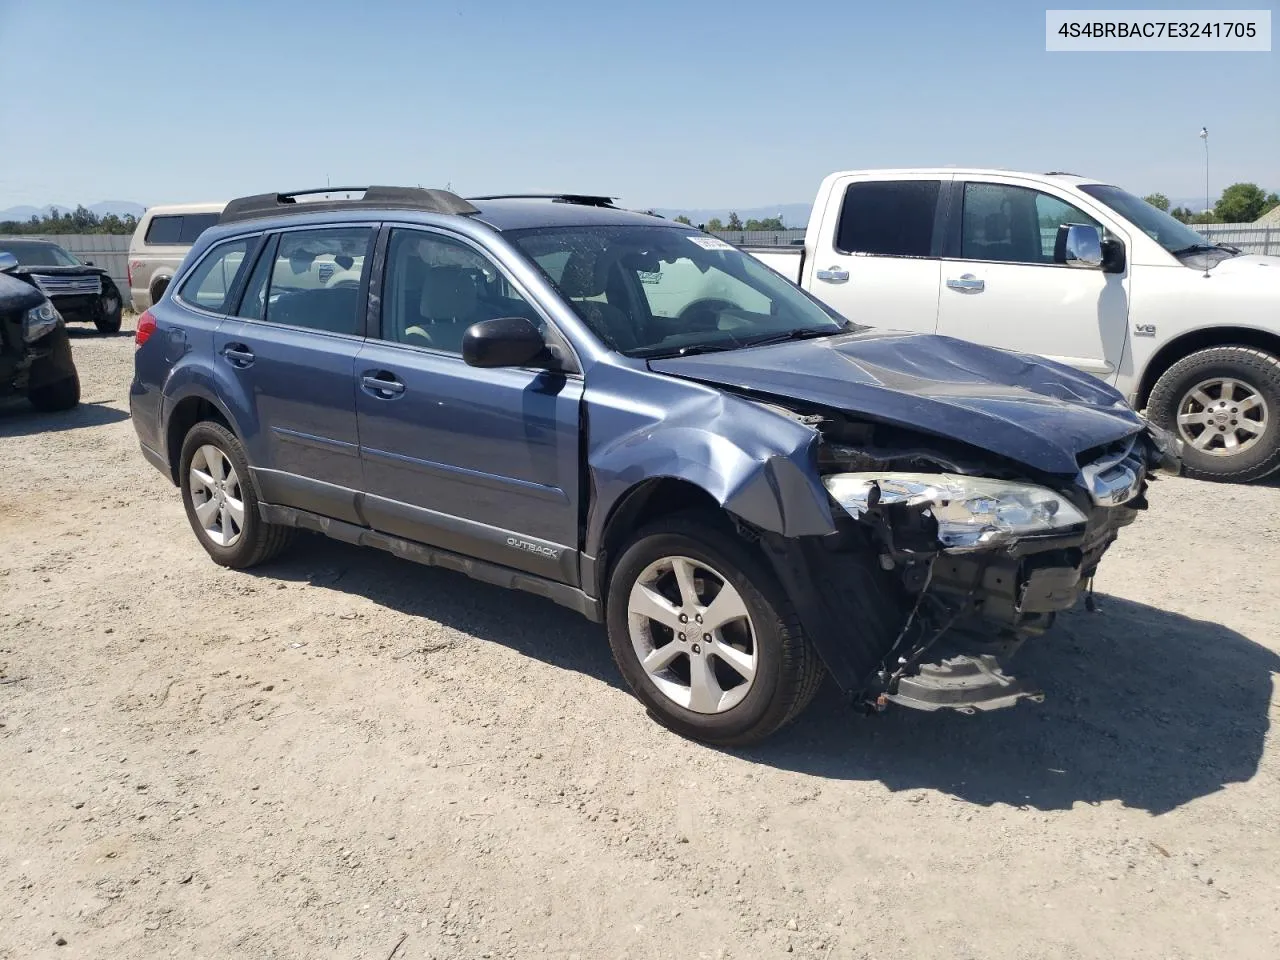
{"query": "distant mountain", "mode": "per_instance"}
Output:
(120, 208)
(793, 214)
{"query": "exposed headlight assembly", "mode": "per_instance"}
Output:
(972, 512)
(39, 321)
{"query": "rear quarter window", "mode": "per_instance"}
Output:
(209, 285)
(178, 229)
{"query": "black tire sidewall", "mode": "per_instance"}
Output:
(109, 322)
(242, 552)
(754, 583)
(1245, 364)
(55, 397)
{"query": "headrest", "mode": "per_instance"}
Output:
(448, 293)
(579, 278)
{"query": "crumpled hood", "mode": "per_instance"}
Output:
(79, 270)
(1028, 409)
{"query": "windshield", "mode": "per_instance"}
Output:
(661, 291)
(1171, 234)
(32, 253)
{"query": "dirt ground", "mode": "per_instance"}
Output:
(342, 752)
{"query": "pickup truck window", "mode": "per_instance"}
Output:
(888, 218)
(1008, 224)
(663, 291)
(436, 287)
(179, 228)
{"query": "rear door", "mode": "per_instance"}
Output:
(1001, 286)
(483, 462)
(878, 251)
(290, 357)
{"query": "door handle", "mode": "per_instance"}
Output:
(238, 354)
(832, 275)
(383, 385)
(966, 283)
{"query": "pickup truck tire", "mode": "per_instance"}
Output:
(1218, 396)
(222, 501)
(62, 394)
(721, 706)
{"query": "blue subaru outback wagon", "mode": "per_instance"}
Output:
(640, 422)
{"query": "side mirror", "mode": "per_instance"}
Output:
(504, 342)
(1078, 245)
(7, 261)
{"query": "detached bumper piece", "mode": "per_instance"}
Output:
(964, 682)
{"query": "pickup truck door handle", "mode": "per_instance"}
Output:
(966, 283)
(832, 275)
(238, 355)
(382, 385)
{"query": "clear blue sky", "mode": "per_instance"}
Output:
(697, 103)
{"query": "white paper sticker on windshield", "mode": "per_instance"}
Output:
(711, 243)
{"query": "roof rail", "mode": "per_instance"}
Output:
(1060, 173)
(585, 199)
(413, 198)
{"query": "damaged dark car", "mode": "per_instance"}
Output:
(644, 424)
(35, 351)
(82, 292)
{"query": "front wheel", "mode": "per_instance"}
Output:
(60, 395)
(705, 636)
(1224, 403)
(109, 312)
(222, 501)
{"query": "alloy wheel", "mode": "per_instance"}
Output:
(692, 633)
(216, 495)
(1222, 416)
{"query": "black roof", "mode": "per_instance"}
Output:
(522, 214)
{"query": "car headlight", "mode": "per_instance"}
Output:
(39, 321)
(972, 512)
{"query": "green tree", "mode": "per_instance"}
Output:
(1273, 201)
(1181, 213)
(1208, 216)
(734, 222)
(714, 225)
(1158, 200)
(1240, 203)
(685, 220)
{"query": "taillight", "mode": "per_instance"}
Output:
(146, 327)
(129, 271)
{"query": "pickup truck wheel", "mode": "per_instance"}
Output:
(222, 501)
(60, 395)
(705, 636)
(1224, 404)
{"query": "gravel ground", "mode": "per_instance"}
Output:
(342, 750)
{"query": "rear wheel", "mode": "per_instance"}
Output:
(1224, 404)
(158, 288)
(60, 395)
(705, 635)
(222, 501)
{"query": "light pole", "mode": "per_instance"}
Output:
(1204, 135)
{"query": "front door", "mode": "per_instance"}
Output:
(482, 462)
(292, 356)
(1000, 285)
(876, 260)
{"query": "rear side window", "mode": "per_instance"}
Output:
(315, 279)
(208, 285)
(179, 229)
(890, 218)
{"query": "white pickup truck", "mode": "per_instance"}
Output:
(1069, 268)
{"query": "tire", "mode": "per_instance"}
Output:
(157, 290)
(62, 394)
(110, 309)
(1195, 388)
(786, 672)
(239, 542)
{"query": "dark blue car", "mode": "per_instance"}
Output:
(638, 421)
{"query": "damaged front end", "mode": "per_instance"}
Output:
(972, 555)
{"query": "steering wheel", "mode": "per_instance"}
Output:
(710, 306)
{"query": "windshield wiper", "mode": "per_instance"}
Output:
(1206, 248)
(804, 333)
